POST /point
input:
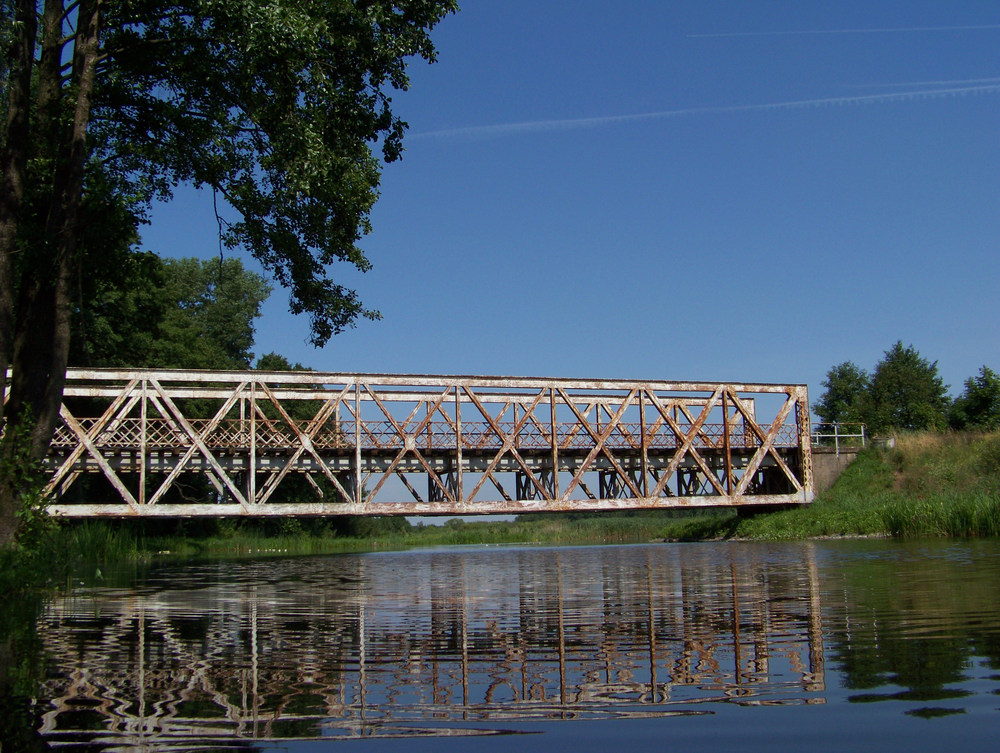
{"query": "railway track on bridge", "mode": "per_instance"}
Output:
(315, 443)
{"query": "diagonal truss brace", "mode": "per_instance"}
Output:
(198, 444)
(507, 446)
(600, 445)
(305, 440)
(410, 442)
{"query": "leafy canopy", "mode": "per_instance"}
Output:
(978, 407)
(843, 401)
(906, 392)
(903, 392)
(170, 313)
(274, 104)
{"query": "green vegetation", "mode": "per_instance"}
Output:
(929, 484)
(905, 393)
(979, 405)
(148, 312)
(97, 542)
(526, 529)
(111, 105)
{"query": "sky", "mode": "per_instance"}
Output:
(710, 191)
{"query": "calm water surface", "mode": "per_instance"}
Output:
(825, 646)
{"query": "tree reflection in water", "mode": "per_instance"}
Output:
(915, 617)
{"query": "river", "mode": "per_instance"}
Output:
(871, 645)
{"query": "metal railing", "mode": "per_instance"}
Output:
(839, 433)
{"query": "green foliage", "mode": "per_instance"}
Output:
(26, 477)
(369, 527)
(906, 393)
(211, 306)
(277, 362)
(932, 484)
(119, 310)
(847, 387)
(273, 105)
(978, 407)
(903, 393)
(143, 311)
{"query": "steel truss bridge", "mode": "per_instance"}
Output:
(314, 443)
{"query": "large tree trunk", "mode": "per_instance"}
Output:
(13, 169)
(13, 166)
(42, 327)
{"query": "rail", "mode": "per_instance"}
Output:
(234, 434)
(821, 435)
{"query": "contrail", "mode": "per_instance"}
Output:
(927, 83)
(505, 129)
(842, 31)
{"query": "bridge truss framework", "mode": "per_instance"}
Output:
(368, 444)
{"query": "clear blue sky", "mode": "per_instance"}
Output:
(793, 200)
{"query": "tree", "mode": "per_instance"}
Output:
(276, 362)
(168, 313)
(211, 307)
(273, 104)
(978, 407)
(847, 388)
(906, 393)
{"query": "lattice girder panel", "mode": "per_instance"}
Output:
(315, 443)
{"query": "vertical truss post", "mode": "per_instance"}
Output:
(252, 463)
(725, 442)
(517, 433)
(430, 436)
(644, 457)
(357, 442)
(242, 439)
(805, 441)
(142, 446)
(460, 489)
(555, 445)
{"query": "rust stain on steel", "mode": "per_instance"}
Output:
(643, 444)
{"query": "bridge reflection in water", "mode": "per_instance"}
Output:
(424, 643)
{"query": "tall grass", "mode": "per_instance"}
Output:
(930, 484)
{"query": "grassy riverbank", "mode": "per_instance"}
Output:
(930, 484)
(71, 545)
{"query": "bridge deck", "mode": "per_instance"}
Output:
(313, 443)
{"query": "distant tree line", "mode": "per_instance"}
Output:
(905, 392)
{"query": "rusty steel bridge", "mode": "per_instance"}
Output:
(313, 443)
